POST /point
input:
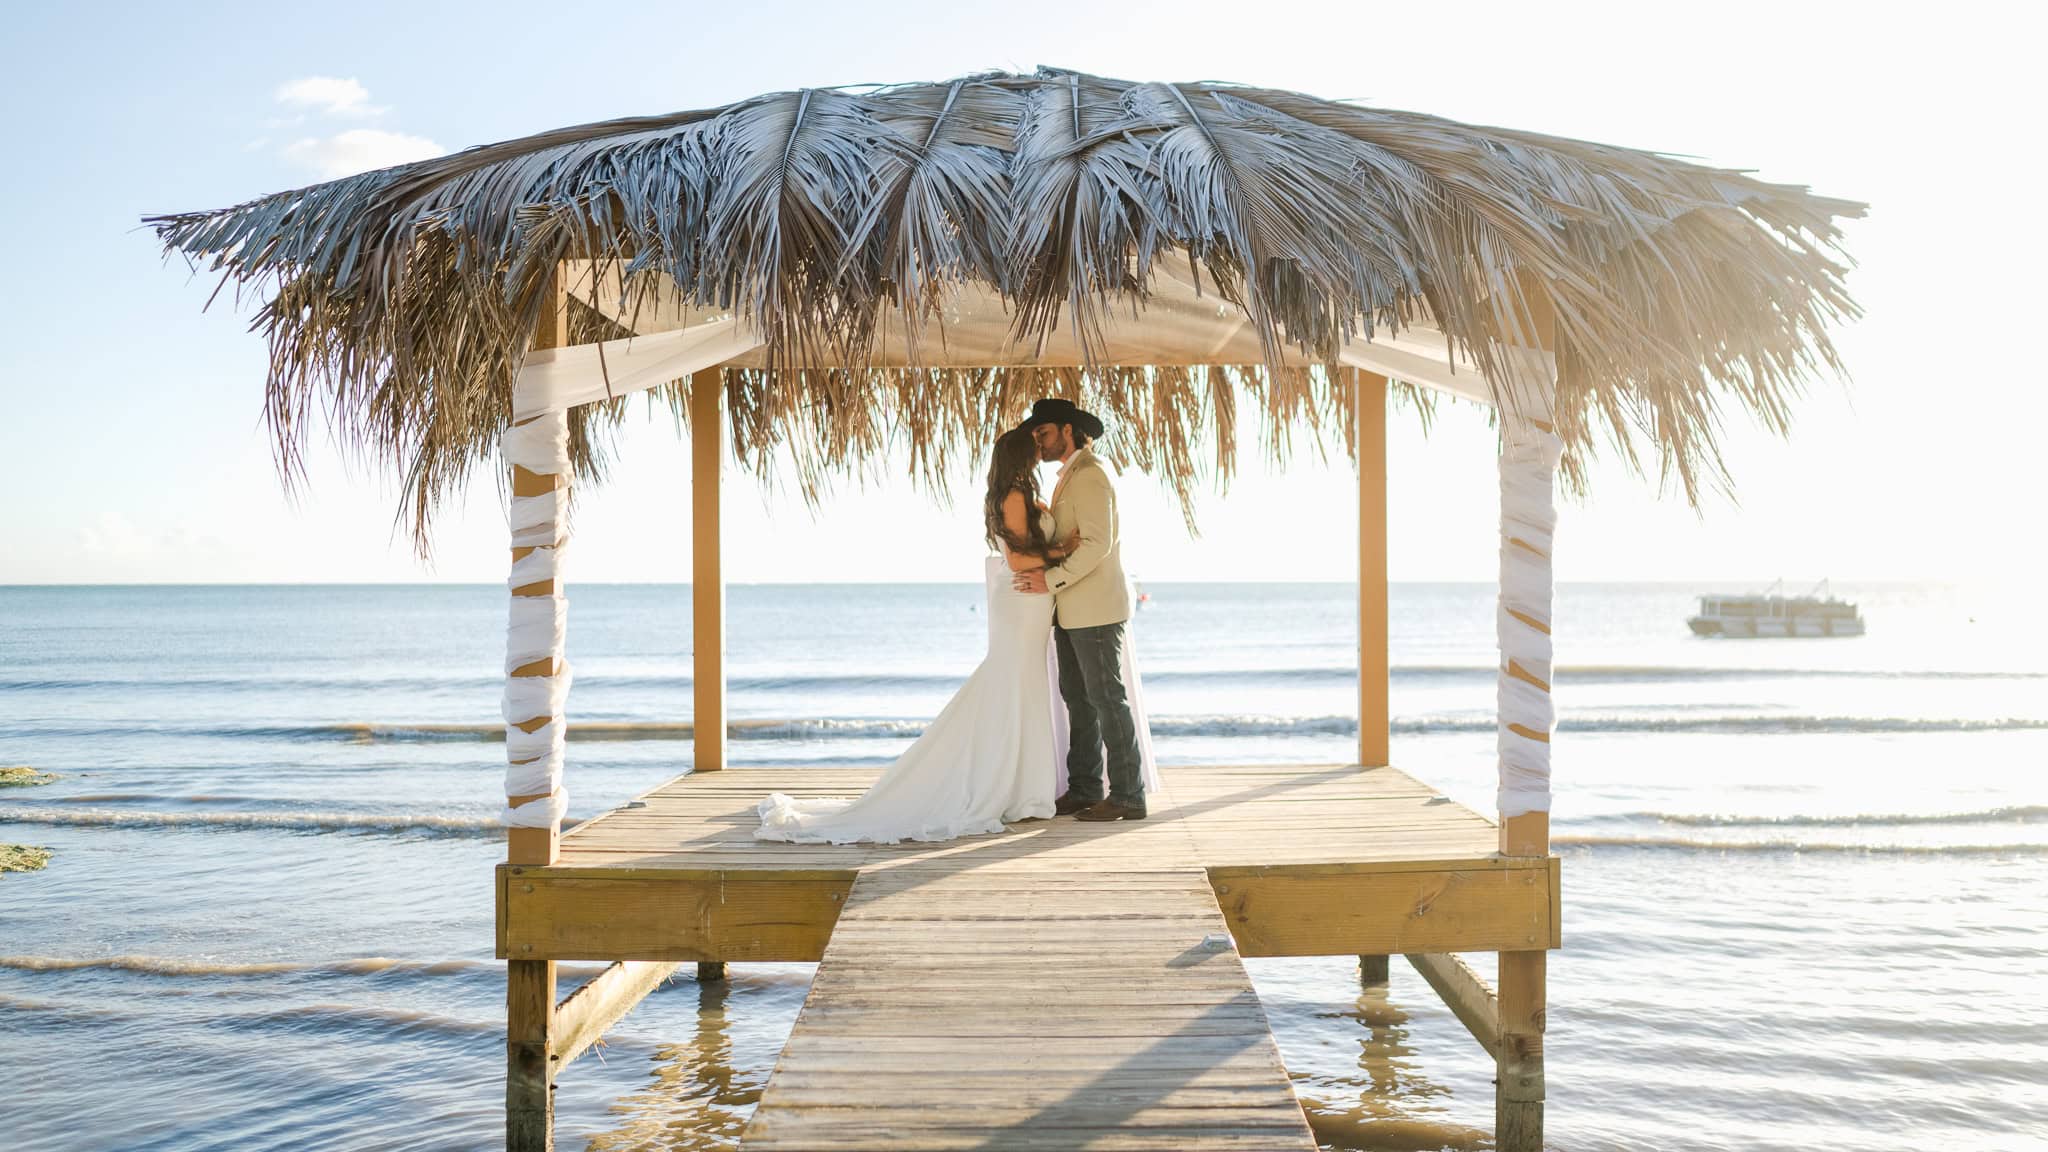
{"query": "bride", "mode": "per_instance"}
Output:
(993, 755)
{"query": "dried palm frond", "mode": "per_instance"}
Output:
(398, 304)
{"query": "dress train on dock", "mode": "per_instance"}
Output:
(989, 757)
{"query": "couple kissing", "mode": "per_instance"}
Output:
(1028, 735)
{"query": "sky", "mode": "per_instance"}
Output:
(130, 413)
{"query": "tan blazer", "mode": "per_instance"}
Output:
(1088, 587)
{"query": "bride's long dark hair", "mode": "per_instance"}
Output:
(1013, 467)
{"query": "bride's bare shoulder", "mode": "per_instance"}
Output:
(1016, 507)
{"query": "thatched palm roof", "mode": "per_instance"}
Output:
(399, 303)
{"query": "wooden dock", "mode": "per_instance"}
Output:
(1064, 985)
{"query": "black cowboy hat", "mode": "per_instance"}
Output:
(1055, 411)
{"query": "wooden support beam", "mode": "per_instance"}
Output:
(551, 328)
(1374, 708)
(1518, 1092)
(582, 1019)
(529, 1081)
(1373, 971)
(1368, 910)
(1465, 994)
(669, 914)
(710, 971)
(707, 580)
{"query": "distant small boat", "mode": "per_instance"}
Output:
(1774, 615)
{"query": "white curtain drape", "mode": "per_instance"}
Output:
(557, 379)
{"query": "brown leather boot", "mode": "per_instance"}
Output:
(1109, 810)
(1067, 805)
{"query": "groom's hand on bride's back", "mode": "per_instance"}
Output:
(1031, 580)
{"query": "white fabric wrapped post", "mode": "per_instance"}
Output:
(1528, 521)
(554, 378)
(1528, 518)
(536, 672)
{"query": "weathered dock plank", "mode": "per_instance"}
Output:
(1048, 988)
(969, 1001)
(1304, 860)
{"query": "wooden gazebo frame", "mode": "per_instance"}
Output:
(544, 1036)
(833, 272)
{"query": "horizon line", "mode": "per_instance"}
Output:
(1686, 581)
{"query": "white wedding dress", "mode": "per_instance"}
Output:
(996, 753)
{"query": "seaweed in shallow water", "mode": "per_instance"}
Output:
(22, 858)
(23, 776)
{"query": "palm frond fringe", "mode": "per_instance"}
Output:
(399, 303)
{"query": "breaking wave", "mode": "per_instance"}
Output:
(487, 684)
(364, 822)
(2024, 814)
(174, 966)
(1689, 844)
(822, 728)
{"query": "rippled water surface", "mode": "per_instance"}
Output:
(1806, 882)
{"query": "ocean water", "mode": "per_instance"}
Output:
(1806, 882)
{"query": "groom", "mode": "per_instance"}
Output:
(1091, 605)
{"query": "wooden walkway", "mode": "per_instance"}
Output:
(1238, 815)
(1074, 990)
(1064, 985)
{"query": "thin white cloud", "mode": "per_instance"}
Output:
(329, 95)
(358, 150)
(112, 534)
(351, 151)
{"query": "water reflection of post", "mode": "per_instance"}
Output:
(697, 1101)
(1385, 1044)
(1394, 1101)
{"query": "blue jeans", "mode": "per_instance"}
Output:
(1098, 715)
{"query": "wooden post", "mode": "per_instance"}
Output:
(529, 1086)
(1373, 971)
(530, 984)
(535, 845)
(1519, 1090)
(1373, 671)
(707, 581)
(540, 845)
(710, 971)
(1522, 995)
(1529, 458)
